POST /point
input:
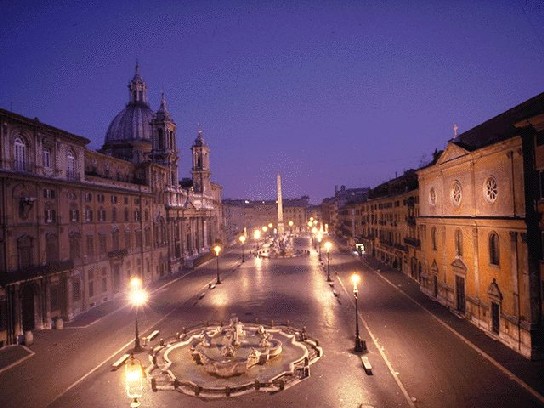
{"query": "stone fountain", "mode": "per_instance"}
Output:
(229, 351)
(215, 360)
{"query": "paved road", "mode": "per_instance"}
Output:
(418, 361)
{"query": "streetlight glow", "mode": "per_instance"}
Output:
(355, 280)
(134, 380)
(217, 250)
(137, 297)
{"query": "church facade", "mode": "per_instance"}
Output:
(77, 224)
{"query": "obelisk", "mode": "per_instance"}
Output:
(280, 208)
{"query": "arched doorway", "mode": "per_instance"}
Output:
(460, 272)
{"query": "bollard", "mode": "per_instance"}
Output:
(227, 391)
(197, 391)
(257, 385)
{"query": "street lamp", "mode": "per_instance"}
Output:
(138, 297)
(328, 247)
(217, 250)
(243, 241)
(134, 380)
(319, 239)
(360, 345)
(291, 223)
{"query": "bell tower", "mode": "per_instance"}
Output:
(164, 149)
(201, 165)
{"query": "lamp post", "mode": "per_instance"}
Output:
(217, 250)
(133, 380)
(291, 223)
(360, 345)
(138, 298)
(319, 239)
(243, 241)
(328, 247)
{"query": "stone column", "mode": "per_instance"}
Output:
(280, 208)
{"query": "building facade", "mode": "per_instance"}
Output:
(470, 227)
(78, 224)
(481, 240)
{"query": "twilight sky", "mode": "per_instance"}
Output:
(324, 92)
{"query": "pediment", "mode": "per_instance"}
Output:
(458, 264)
(494, 292)
(451, 152)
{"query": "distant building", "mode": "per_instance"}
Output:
(77, 224)
(384, 221)
(248, 214)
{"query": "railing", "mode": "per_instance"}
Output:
(37, 271)
(117, 253)
(416, 243)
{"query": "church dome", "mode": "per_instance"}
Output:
(134, 121)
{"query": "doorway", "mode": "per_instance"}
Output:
(460, 292)
(28, 308)
(495, 317)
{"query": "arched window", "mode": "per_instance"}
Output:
(46, 157)
(458, 242)
(71, 165)
(19, 154)
(433, 238)
(494, 248)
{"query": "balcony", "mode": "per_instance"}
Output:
(118, 253)
(416, 243)
(33, 272)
